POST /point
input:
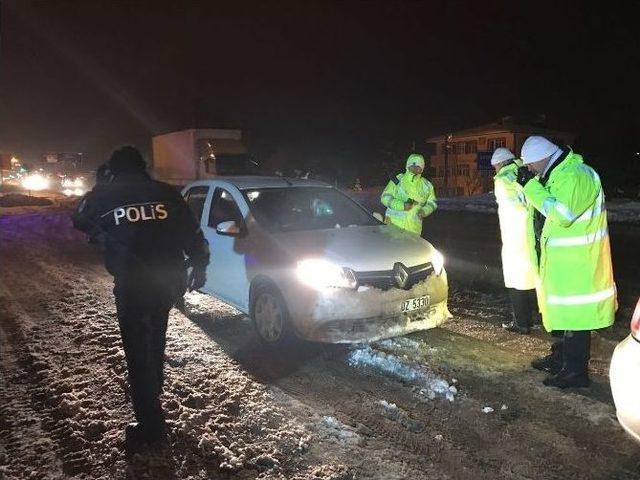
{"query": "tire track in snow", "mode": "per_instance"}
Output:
(55, 400)
(224, 424)
(18, 417)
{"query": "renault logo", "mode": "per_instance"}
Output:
(401, 275)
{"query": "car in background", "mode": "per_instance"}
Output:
(73, 186)
(303, 259)
(624, 376)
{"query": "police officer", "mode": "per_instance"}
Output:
(576, 291)
(516, 226)
(103, 178)
(148, 230)
(409, 197)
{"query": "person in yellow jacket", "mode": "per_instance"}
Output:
(576, 290)
(516, 227)
(409, 197)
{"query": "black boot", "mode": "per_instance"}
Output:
(547, 364)
(567, 379)
(576, 346)
(551, 363)
(521, 312)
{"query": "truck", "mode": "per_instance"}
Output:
(200, 153)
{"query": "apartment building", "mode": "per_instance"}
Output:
(460, 162)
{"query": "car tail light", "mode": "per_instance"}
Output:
(635, 322)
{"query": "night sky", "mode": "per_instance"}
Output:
(327, 81)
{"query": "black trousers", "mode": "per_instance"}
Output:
(572, 349)
(143, 313)
(523, 304)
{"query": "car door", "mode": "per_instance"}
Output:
(227, 272)
(196, 198)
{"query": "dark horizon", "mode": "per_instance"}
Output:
(327, 82)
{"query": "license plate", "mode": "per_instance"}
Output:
(412, 304)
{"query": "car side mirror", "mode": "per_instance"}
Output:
(229, 229)
(378, 216)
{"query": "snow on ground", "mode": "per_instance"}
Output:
(238, 413)
(627, 211)
(341, 432)
(406, 345)
(619, 210)
(64, 400)
(429, 384)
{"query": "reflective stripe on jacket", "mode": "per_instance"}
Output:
(577, 290)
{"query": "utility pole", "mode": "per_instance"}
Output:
(447, 138)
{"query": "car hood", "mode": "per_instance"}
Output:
(370, 248)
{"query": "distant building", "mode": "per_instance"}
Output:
(66, 160)
(460, 162)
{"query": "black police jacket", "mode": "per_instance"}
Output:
(149, 230)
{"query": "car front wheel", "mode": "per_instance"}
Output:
(270, 316)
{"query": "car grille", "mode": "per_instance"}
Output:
(385, 279)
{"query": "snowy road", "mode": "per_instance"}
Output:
(471, 243)
(411, 407)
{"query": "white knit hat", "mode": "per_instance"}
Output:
(537, 148)
(501, 155)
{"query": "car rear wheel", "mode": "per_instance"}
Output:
(270, 316)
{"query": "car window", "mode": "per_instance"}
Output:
(223, 209)
(195, 198)
(305, 208)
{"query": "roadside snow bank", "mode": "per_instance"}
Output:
(21, 200)
(619, 210)
(429, 383)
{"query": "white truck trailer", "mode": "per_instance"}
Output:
(199, 153)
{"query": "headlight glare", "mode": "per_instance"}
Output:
(321, 274)
(35, 181)
(438, 262)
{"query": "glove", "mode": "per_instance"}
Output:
(408, 205)
(197, 278)
(524, 175)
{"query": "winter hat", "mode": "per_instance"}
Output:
(103, 174)
(415, 159)
(537, 148)
(126, 159)
(501, 155)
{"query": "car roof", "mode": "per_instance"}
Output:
(247, 182)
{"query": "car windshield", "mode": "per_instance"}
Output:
(305, 208)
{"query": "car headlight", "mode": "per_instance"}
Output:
(437, 260)
(320, 274)
(35, 182)
(74, 183)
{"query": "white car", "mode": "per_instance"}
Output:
(303, 259)
(623, 375)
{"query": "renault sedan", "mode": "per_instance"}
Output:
(303, 259)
